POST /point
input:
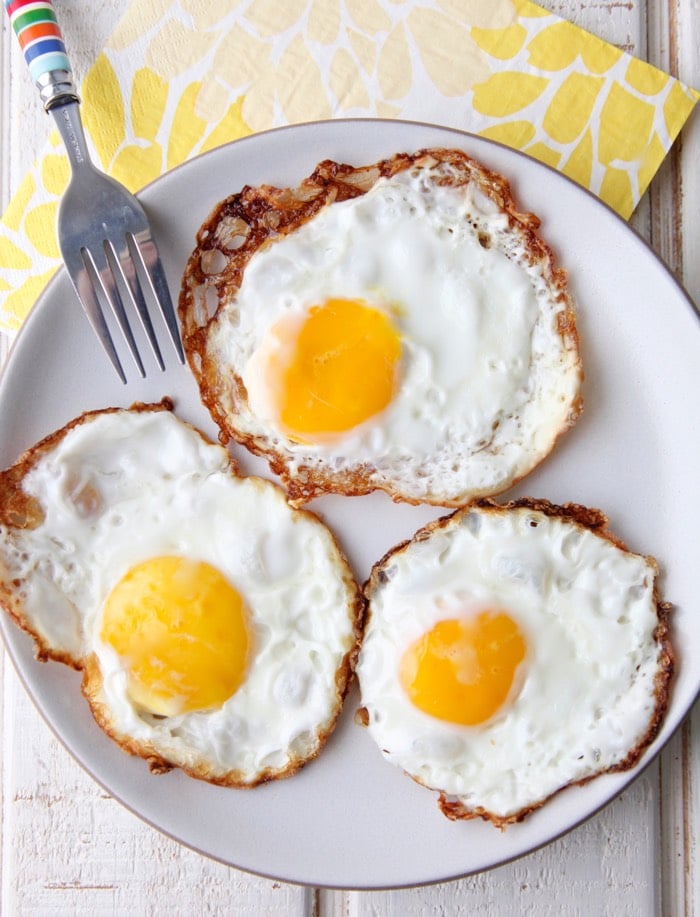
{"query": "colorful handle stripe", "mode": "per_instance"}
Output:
(39, 36)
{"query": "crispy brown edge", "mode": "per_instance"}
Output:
(593, 520)
(266, 214)
(13, 504)
(158, 764)
(17, 510)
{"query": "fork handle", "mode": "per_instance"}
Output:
(39, 35)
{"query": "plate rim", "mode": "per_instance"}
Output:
(625, 778)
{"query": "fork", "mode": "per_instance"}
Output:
(103, 231)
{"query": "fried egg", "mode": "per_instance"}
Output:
(510, 652)
(412, 336)
(215, 626)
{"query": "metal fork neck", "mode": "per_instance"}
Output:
(56, 87)
(70, 127)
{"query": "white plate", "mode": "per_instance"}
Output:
(350, 819)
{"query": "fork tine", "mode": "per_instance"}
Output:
(103, 230)
(145, 252)
(105, 282)
(126, 269)
(85, 289)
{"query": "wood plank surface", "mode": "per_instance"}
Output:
(673, 43)
(67, 848)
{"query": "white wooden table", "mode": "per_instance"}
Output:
(66, 847)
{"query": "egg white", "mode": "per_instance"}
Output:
(487, 379)
(585, 694)
(124, 487)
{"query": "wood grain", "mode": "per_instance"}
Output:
(66, 847)
(673, 44)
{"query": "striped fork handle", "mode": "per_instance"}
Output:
(35, 25)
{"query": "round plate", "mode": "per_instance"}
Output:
(350, 819)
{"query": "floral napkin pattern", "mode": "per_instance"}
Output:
(179, 77)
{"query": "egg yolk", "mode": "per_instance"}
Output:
(343, 369)
(181, 630)
(462, 671)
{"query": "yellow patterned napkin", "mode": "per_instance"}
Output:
(179, 77)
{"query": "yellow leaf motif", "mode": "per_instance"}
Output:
(206, 13)
(258, 106)
(40, 227)
(12, 256)
(503, 44)
(55, 172)
(136, 166)
(387, 110)
(368, 16)
(528, 10)
(240, 57)
(365, 49)
(557, 46)
(12, 217)
(103, 109)
(496, 14)
(579, 166)
(645, 78)
(299, 85)
(346, 83)
(625, 126)
(212, 101)
(394, 70)
(230, 127)
(616, 191)
(187, 129)
(598, 55)
(653, 157)
(138, 20)
(544, 153)
(149, 95)
(570, 110)
(507, 92)
(175, 48)
(516, 134)
(677, 107)
(270, 17)
(18, 304)
(554, 48)
(324, 21)
(453, 60)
